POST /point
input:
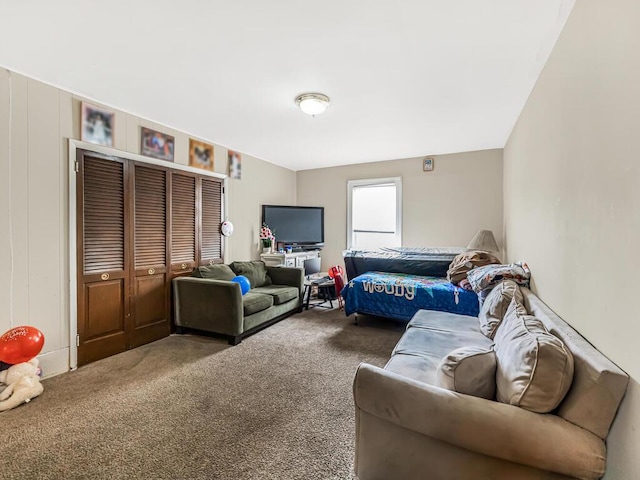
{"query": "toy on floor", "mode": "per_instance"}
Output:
(23, 384)
(336, 272)
(20, 344)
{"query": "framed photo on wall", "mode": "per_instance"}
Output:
(97, 125)
(200, 154)
(235, 165)
(157, 144)
(427, 164)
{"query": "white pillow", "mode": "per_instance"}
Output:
(495, 305)
(534, 368)
(469, 370)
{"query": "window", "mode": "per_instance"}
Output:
(374, 213)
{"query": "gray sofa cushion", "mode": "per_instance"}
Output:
(431, 319)
(255, 302)
(280, 293)
(535, 369)
(214, 272)
(430, 336)
(255, 271)
(469, 370)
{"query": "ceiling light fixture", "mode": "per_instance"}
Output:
(312, 103)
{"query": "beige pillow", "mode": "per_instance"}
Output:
(494, 307)
(469, 370)
(534, 368)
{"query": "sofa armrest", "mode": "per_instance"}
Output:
(293, 277)
(487, 427)
(209, 305)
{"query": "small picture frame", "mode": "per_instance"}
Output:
(97, 125)
(157, 144)
(200, 154)
(427, 164)
(235, 165)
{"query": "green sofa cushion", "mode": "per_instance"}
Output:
(255, 271)
(214, 272)
(280, 293)
(255, 302)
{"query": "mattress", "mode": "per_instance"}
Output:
(400, 296)
(424, 261)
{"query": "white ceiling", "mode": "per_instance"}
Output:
(406, 78)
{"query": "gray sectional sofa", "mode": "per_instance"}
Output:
(549, 405)
(209, 302)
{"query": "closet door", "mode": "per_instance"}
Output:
(150, 319)
(103, 253)
(211, 238)
(184, 223)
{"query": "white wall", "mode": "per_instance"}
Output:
(441, 208)
(572, 199)
(35, 122)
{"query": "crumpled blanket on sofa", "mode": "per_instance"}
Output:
(489, 276)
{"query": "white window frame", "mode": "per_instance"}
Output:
(397, 181)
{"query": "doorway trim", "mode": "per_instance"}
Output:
(75, 145)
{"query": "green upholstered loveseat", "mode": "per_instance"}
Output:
(210, 302)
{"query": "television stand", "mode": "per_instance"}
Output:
(294, 259)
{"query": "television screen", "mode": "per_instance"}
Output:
(295, 225)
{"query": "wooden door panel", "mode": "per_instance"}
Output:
(151, 314)
(211, 238)
(183, 222)
(102, 329)
(105, 309)
(103, 265)
(150, 300)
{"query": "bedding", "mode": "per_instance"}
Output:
(488, 276)
(426, 261)
(400, 296)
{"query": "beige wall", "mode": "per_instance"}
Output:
(35, 122)
(572, 199)
(441, 208)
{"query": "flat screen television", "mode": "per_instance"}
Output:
(296, 226)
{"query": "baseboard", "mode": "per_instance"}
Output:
(54, 363)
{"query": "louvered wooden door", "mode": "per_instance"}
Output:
(210, 238)
(103, 257)
(150, 313)
(184, 223)
(138, 226)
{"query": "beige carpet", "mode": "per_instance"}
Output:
(277, 406)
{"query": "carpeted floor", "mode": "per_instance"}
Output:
(277, 406)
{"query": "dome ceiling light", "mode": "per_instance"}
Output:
(312, 103)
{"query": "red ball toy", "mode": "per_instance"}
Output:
(20, 344)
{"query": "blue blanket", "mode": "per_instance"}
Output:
(400, 296)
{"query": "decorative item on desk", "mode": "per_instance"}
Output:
(267, 238)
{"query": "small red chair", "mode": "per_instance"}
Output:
(336, 272)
